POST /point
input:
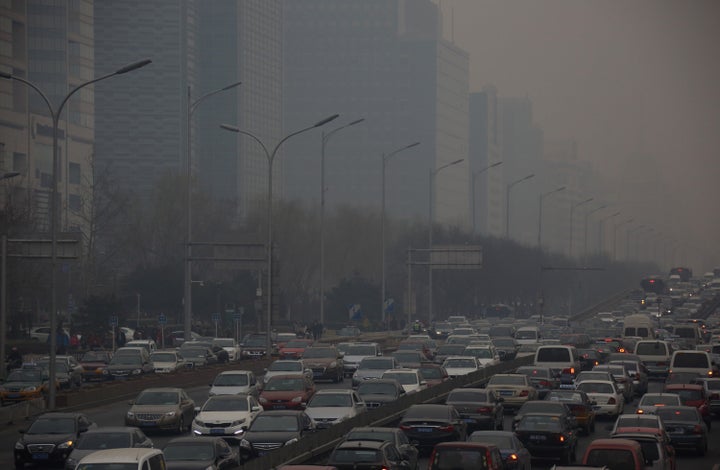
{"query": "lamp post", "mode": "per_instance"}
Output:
(585, 236)
(270, 155)
(572, 210)
(431, 218)
(324, 139)
(507, 201)
(601, 231)
(540, 211)
(54, 222)
(472, 190)
(3, 287)
(385, 159)
(187, 284)
(615, 231)
(627, 240)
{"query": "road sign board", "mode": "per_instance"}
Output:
(162, 319)
(113, 320)
(216, 317)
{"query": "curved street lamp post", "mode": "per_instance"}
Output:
(507, 201)
(472, 190)
(540, 211)
(572, 210)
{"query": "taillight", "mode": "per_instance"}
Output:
(405, 427)
(611, 401)
(448, 428)
(569, 370)
(639, 411)
(544, 383)
(512, 457)
(524, 393)
(484, 409)
(561, 438)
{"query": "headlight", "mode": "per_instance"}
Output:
(170, 414)
(297, 399)
(105, 372)
(65, 445)
(291, 441)
(137, 372)
(19, 445)
(199, 423)
(333, 364)
(29, 389)
(130, 414)
(238, 422)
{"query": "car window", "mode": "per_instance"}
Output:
(157, 462)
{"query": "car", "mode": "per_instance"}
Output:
(545, 406)
(479, 408)
(682, 378)
(637, 371)
(50, 438)
(461, 365)
(430, 424)
(287, 366)
(580, 404)
(68, 370)
(373, 368)
(712, 390)
(410, 379)
(621, 376)
(466, 455)
(657, 451)
(548, 435)
(199, 356)
(25, 384)
(272, 430)
(378, 392)
(349, 331)
(166, 361)
(127, 459)
(623, 454)
(161, 408)
(608, 399)
(282, 338)
(651, 401)
(106, 437)
(254, 347)
(286, 392)
(541, 378)
(148, 344)
(588, 358)
(693, 395)
(446, 350)
(393, 435)
(514, 389)
(94, 363)
(513, 452)
(326, 362)
(234, 382)
(226, 416)
(41, 333)
(410, 359)
(357, 455)
(686, 427)
(129, 362)
(328, 407)
(506, 347)
(230, 346)
(199, 453)
(486, 355)
(434, 374)
(295, 348)
(589, 375)
(356, 352)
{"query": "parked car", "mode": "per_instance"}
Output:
(386, 434)
(479, 408)
(234, 382)
(360, 455)
(286, 392)
(686, 427)
(226, 416)
(94, 364)
(430, 424)
(50, 438)
(514, 454)
(161, 408)
(548, 435)
(106, 437)
(272, 430)
(462, 455)
(199, 453)
(378, 392)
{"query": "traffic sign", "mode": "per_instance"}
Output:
(162, 319)
(114, 320)
(216, 317)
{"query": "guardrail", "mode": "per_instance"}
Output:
(603, 306)
(323, 441)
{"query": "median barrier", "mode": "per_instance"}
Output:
(22, 411)
(325, 440)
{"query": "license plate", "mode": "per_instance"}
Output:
(679, 431)
(506, 393)
(278, 407)
(217, 431)
(41, 456)
(538, 437)
(424, 429)
(469, 420)
(567, 386)
(261, 453)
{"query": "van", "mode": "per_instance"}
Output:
(130, 459)
(692, 361)
(640, 325)
(148, 344)
(561, 359)
(527, 335)
(655, 355)
(688, 334)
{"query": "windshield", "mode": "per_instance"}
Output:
(286, 366)
(341, 400)
(595, 387)
(126, 361)
(357, 455)
(320, 352)
(448, 349)
(670, 414)
(659, 400)
(431, 372)
(376, 389)
(264, 423)
(360, 351)
(460, 363)
(378, 436)
(52, 426)
(158, 398)
(503, 442)
(256, 342)
(108, 466)
(560, 396)
(26, 375)
(507, 380)
(94, 356)
(376, 364)
(284, 385)
(194, 352)
(189, 451)
(226, 403)
(407, 357)
(539, 423)
(60, 366)
(163, 357)
(505, 342)
(104, 440)
(526, 334)
(224, 342)
(231, 380)
(482, 353)
(402, 377)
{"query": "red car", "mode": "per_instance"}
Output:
(693, 395)
(286, 392)
(94, 364)
(294, 349)
(466, 455)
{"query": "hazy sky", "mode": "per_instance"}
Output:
(632, 81)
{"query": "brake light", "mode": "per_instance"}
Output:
(524, 393)
(569, 370)
(544, 383)
(562, 438)
(639, 411)
(512, 457)
(448, 428)
(484, 409)
(405, 427)
(611, 401)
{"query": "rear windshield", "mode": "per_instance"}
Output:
(613, 458)
(446, 459)
(685, 332)
(553, 355)
(688, 359)
(651, 349)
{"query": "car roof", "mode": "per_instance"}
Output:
(128, 455)
(464, 445)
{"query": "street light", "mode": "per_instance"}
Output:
(572, 210)
(431, 218)
(617, 226)
(540, 201)
(507, 202)
(601, 231)
(472, 190)
(3, 286)
(55, 115)
(187, 284)
(385, 159)
(324, 140)
(585, 236)
(271, 158)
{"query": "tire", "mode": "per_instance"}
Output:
(181, 425)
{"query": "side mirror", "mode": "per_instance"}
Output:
(197, 409)
(256, 408)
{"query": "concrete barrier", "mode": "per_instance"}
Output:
(23, 411)
(325, 440)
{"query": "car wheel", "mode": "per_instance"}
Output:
(181, 425)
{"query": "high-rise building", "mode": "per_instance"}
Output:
(50, 44)
(384, 61)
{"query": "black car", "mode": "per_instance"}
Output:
(548, 435)
(50, 438)
(429, 424)
(378, 392)
(507, 347)
(580, 405)
(273, 429)
(370, 455)
(479, 408)
(544, 406)
(199, 453)
(685, 426)
(440, 330)
(394, 435)
(589, 358)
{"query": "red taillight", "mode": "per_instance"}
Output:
(405, 427)
(569, 370)
(697, 429)
(612, 401)
(524, 393)
(448, 428)
(544, 383)
(484, 409)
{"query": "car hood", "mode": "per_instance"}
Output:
(20, 385)
(188, 464)
(47, 438)
(223, 416)
(164, 365)
(323, 412)
(94, 365)
(318, 362)
(270, 436)
(153, 408)
(370, 373)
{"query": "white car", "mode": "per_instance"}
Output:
(461, 365)
(226, 416)
(166, 361)
(233, 382)
(651, 401)
(411, 379)
(609, 400)
(285, 367)
(486, 355)
(331, 406)
(229, 345)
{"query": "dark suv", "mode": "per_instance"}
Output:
(50, 438)
(271, 430)
(325, 362)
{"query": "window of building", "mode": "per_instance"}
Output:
(74, 173)
(19, 162)
(75, 202)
